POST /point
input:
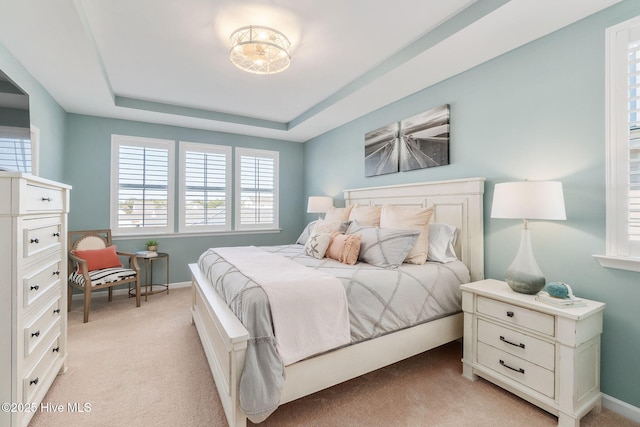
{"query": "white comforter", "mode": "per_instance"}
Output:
(309, 308)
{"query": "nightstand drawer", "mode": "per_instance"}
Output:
(516, 315)
(525, 373)
(526, 347)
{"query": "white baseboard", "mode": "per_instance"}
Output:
(122, 291)
(623, 408)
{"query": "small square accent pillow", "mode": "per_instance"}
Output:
(338, 214)
(383, 247)
(344, 248)
(97, 259)
(410, 218)
(317, 245)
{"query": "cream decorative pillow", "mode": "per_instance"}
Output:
(366, 215)
(324, 226)
(338, 214)
(410, 218)
(317, 245)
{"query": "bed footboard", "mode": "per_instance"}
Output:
(224, 340)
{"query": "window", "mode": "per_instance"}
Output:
(142, 179)
(623, 146)
(256, 189)
(205, 187)
(15, 149)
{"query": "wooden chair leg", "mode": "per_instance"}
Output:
(69, 295)
(110, 293)
(138, 291)
(87, 302)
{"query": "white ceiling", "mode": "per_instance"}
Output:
(166, 61)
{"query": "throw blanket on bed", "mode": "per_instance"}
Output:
(308, 307)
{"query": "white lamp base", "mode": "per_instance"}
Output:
(524, 275)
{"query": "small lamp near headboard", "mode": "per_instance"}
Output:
(319, 205)
(527, 200)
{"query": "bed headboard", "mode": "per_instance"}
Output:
(456, 202)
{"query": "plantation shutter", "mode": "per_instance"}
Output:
(258, 201)
(634, 136)
(205, 201)
(15, 149)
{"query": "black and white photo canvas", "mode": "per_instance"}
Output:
(424, 139)
(381, 150)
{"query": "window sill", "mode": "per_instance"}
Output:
(619, 262)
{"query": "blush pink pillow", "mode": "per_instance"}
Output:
(344, 248)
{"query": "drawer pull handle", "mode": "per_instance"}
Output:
(56, 350)
(520, 370)
(56, 234)
(33, 382)
(56, 311)
(35, 334)
(46, 199)
(56, 273)
(509, 342)
(509, 313)
(35, 287)
(36, 241)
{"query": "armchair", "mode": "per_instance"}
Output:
(94, 263)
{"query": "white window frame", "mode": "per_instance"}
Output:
(204, 148)
(252, 152)
(116, 142)
(621, 252)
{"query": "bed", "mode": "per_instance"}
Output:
(224, 338)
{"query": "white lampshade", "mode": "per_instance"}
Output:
(319, 204)
(529, 200)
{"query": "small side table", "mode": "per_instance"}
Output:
(147, 266)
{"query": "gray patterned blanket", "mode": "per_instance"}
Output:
(380, 301)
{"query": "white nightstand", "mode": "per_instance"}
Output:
(547, 355)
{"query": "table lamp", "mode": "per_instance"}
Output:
(527, 200)
(319, 205)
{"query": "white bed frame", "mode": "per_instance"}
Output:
(224, 338)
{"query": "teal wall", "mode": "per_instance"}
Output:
(535, 113)
(89, 149)
(46, 114)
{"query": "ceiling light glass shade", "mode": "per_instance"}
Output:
(527, 200)
(260, 50)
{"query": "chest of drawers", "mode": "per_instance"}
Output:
(547, 355)
(33, 302)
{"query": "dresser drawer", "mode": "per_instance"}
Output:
(41, 372)
(516, 315)
(41, 235)
(36, 332)
(529, 348)
(41, 199)
(40, 279)
(525, 373)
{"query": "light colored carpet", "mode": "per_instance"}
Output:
(145, 367)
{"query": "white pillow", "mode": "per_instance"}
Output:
(317, 245)
(442, 241)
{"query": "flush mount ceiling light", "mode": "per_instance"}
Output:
(260, 50)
